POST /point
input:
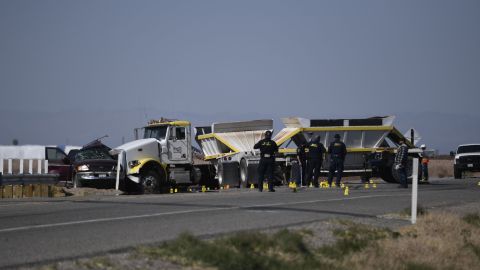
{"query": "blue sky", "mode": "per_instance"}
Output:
(216, 60)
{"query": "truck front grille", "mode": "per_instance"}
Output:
(470, 159)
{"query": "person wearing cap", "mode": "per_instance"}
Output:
(268, 149)
(424, 167)
(338, 152)
(400, 163)
(314, 152)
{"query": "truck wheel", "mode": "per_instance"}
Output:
(150, 182)
(457, 173)
(243, 174)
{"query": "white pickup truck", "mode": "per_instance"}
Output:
(467, 159)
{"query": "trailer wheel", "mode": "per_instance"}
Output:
(409, 171)
(150, 182)
(243, 174)
(220, 173)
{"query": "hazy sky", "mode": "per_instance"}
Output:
(306, 58)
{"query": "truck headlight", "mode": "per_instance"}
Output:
(133, 163)
(82, 168)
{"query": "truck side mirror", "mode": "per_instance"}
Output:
(452, 154)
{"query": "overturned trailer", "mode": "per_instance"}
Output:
(371, 143)
(229, 146)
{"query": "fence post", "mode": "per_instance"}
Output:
(46, 166)
(10, 166)
(30, 166)
(20, 168)
(414, 190)
(39, 166)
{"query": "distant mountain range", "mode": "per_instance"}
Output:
(441, 131)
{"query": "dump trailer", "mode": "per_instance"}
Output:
(164, 157)
(371, 143)
(229, 146)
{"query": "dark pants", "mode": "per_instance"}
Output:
(295, 173)
(336, 164)
(265, 168)
(303, 164)
(402, 176)
(313, 169)
(424, 172)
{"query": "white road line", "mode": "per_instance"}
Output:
(23, 228)
(109, 219)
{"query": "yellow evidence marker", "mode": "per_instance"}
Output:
(346, 193)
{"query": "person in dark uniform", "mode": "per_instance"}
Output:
(315, 151)
(303, 162)
(337, 151)
(268, 148)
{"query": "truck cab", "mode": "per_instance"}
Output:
(174, 138)
(161, 159)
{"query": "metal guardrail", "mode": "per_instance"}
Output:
(24, 179)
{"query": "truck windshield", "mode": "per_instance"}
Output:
(158, 133)
(92, 153)
(468, 149)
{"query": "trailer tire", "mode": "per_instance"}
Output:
(243, 174)
(388, 174)
(220, 173)
(409, 171)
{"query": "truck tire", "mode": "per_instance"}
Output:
(150, 182)
(244, 174)
(457, 173)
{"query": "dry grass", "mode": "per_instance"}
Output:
(438, 241)
(440, 168)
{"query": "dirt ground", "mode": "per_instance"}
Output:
(440, 168)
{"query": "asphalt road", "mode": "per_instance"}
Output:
(44, 230)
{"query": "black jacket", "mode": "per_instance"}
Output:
(337, 149)
(267, 147)
(315, 150)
